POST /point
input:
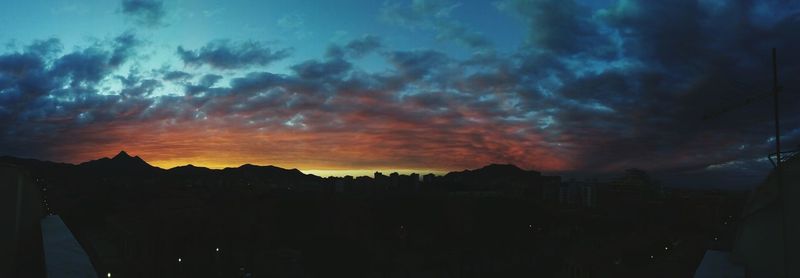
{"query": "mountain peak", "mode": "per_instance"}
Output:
(121, 155)
(124, 157)
(120, 164)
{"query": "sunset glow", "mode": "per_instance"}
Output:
(431, 86)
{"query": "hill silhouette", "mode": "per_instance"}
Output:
(120, 165)
(133, 168)
(492, 177)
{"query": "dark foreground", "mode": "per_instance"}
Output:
(265, 222)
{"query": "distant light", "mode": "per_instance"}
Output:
(108, 275)
(666, 247)
(716, 238)
(726, 223)
(179, 259)
(217, 249)
(651, 256)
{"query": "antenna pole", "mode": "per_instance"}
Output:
(775, 90)
(778, 168)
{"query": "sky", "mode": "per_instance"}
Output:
(573, 87)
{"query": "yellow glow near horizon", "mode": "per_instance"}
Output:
(369, 173)
(168, 164)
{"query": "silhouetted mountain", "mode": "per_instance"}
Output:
(492, 177)
(33, 163)
(494, 171)
(190, 173)
(52, 169)
(270, 175)
(134, 170)
(121, 164)
(265, 170)
(190, 170)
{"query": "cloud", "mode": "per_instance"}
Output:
(364, 45)
(136, 85)
(147, 13)
(356, 48)
(312, 69)
(294, 25)
(434, 15)
(45, 48)
(176, 76)
(563, 26)
(224, 54)
(123, 48)
(90, 65)
(414, 65)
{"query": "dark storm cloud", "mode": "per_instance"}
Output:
(148, 13)
(224, 54)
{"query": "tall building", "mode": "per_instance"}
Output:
(20, 231)
(428, 178)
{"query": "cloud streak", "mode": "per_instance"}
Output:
(434, 15)
(224, 54)
(147, 13)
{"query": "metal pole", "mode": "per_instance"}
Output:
(775, 90)
(778, 168)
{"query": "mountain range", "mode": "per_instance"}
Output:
(133, 169)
